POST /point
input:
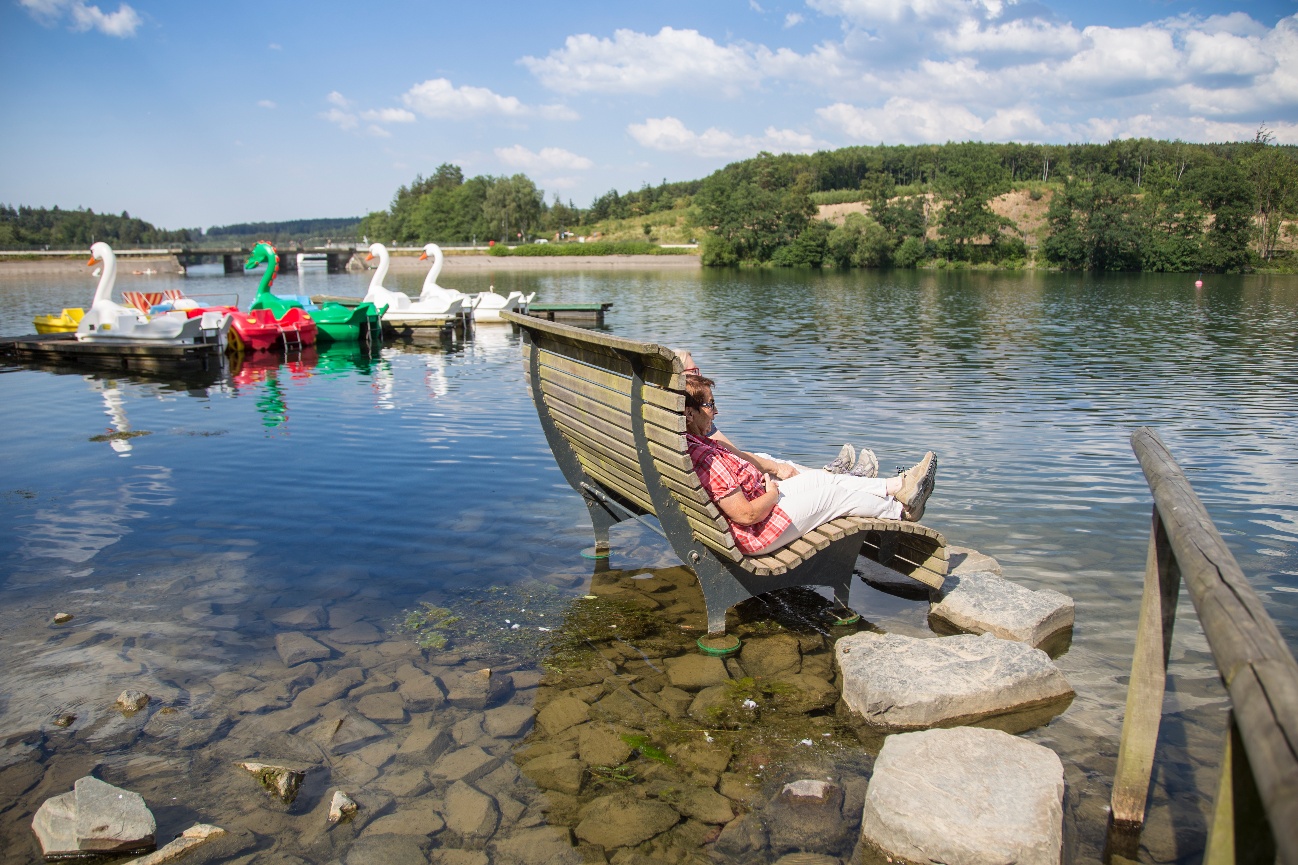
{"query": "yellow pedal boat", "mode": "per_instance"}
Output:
(64, 322)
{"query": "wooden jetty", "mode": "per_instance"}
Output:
(64, 349)
(1255, 817)
(573, 313)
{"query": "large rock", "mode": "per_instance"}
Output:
(558, 715)
(478, 690)
(95, 817)
(984, 603)
(282, 782)
(195, 836)
(965, 796)
(902, 683)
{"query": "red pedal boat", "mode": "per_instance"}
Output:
(259, 329)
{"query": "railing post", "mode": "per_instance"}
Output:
(1148, 681)
(1240, 833)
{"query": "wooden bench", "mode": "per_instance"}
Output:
(613, 412)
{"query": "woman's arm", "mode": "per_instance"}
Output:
(774, 468)
(744, 512)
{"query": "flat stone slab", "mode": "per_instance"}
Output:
(963, 560)
(983, 603)
(95, 817)
(901, 683)
(965, 796)
(294, 648)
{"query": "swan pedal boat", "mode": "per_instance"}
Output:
(65, 322)
(108, 321)
(400, 309)
(486, 305)
(333, 321)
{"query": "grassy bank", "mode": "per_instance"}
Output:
(590, 248)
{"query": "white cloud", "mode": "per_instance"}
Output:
(547, 159)
(910, 121)
(82, 16)
(1021, 36)
(266, 103)
(388, 115)
(633, 62)
(793, 19)
(336, 98)
(670, 135)
(438, 97)
(275, 46)
(898, 11)
(343, 119)
(378, 131)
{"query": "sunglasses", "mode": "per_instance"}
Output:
(693, 370)
(711, 405)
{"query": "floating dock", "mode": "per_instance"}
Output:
(65, 349)
(577, 313)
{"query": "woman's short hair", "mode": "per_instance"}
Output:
(696, 390)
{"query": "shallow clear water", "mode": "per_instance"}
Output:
(366, 484)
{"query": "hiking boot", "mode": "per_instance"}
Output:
(867, 464)
(843, 462)
(916, 486)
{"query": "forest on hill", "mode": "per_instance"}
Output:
(1136, 204)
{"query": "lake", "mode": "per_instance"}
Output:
(369, 500)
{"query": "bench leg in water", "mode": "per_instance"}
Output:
(725, 584)
(601, 520)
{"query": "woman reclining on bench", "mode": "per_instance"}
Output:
(849, 461)
(764, 514)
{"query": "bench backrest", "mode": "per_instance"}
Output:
(618, 406)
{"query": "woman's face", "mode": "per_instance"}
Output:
(699, 420)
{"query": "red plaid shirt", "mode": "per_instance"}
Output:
(722, 473)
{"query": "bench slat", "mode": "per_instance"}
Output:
(658, 370)
(613, 407)
(579, 423)
(691, 498)
(667, 399)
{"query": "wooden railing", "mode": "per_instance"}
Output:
(1255, 817)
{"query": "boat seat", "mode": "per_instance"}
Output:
(613, 413)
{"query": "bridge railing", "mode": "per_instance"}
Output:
(1255, 815)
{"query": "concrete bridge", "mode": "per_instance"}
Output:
(232, 258)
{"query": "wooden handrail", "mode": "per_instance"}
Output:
(1256, 666)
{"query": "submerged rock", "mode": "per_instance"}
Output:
(194, 836)
(902, 683)
(478, 690)
(806, 816)
(342, 807)
(280, 781)
(965, 796)
(620, 820)
(95, 817)
(62, 618)
(982, 602)
(471, 814)
(295, 648)
(132, 701)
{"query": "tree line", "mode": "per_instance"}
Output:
(25, 227)
(1125, 205)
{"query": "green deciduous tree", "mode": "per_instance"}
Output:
(1093, 227)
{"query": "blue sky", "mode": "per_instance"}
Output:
(199, 114)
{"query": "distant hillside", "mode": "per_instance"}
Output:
(25, 227)
(344, 228)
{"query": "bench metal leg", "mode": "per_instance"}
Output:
(601, 519)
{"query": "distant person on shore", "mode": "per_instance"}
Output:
(764, 513)
(862, 464)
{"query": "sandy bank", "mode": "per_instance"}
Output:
(161, 264)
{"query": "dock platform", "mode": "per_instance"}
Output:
(65, 349)
(574, 313)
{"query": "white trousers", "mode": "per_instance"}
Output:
(815, 496)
